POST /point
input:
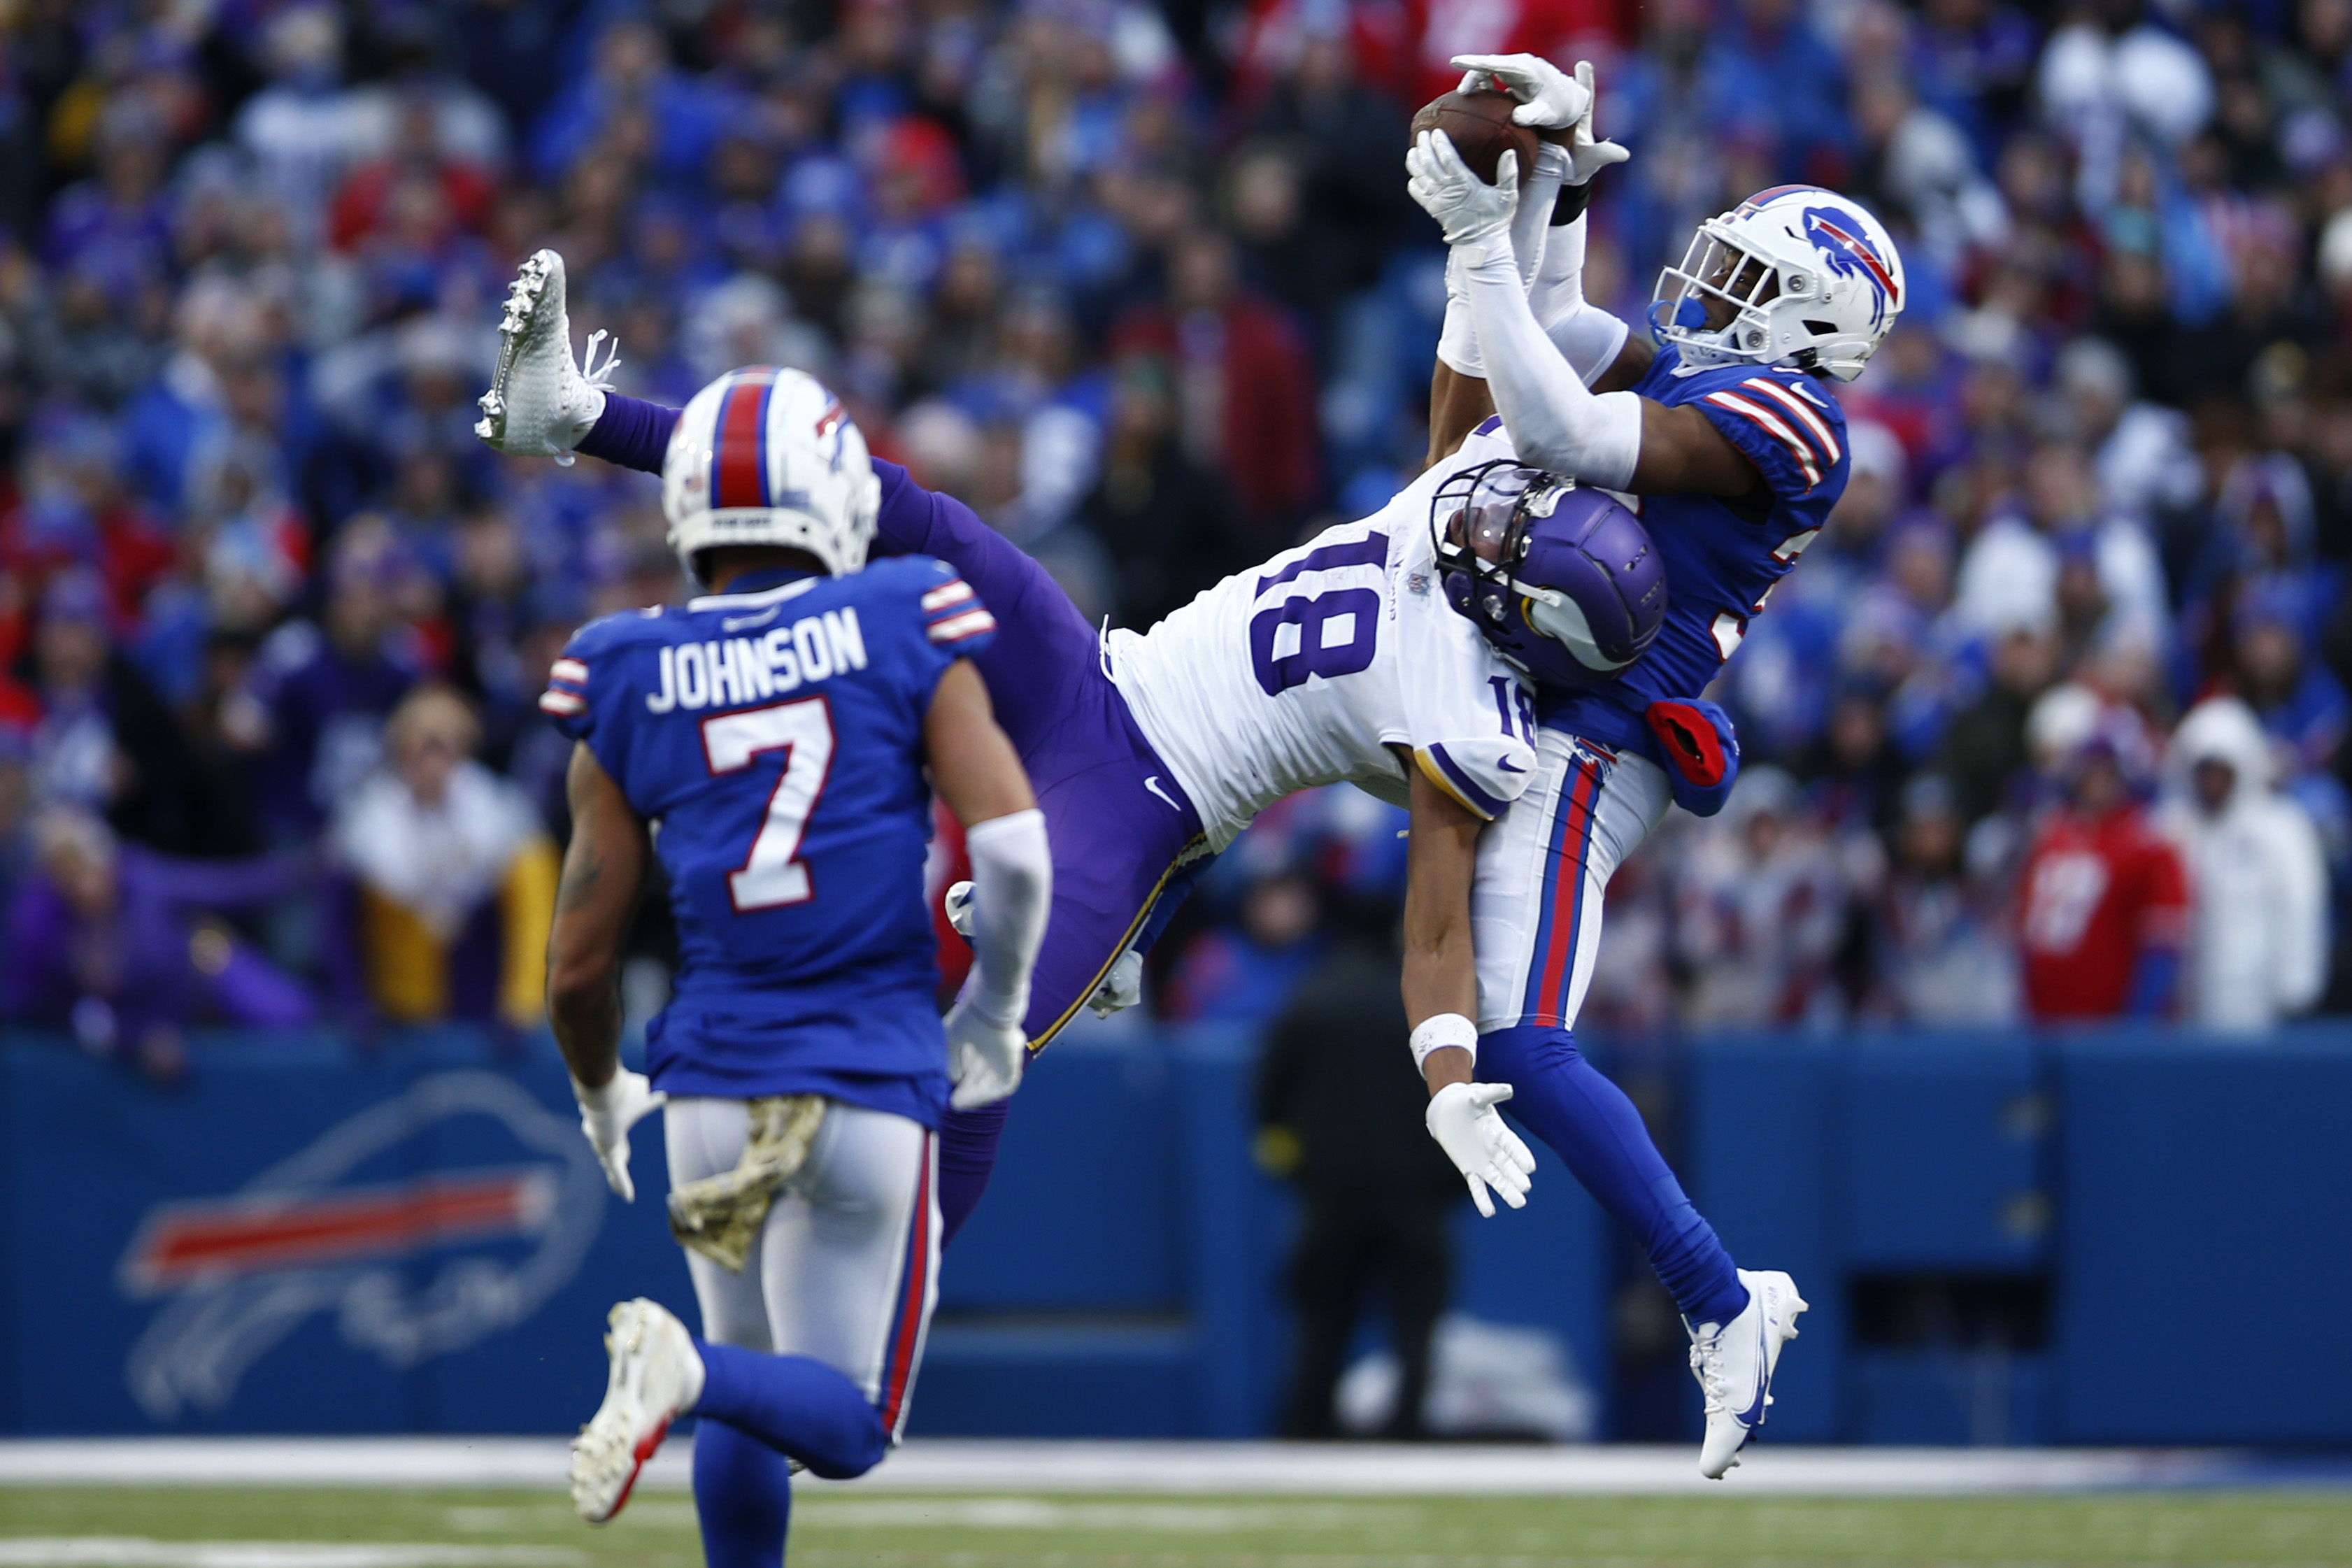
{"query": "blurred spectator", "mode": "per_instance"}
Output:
(2258, 932)
(1246, 402)
(1244, 975)
(1163, 519)
(1339, 1112)
(2103, 907)
(1984, 748)
(323, 691)
(1142, 284)
(103, 739)
(1762, 909)
(453, 879)
(1941, 954)
(125, 949)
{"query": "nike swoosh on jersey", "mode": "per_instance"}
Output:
(738, 623)
(1509, 766)
(1152, 784)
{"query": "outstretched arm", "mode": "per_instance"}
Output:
(1612, 439)
(979, 776)
(630, 433)
(1555, 367)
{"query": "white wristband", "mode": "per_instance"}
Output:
(1436, 1034)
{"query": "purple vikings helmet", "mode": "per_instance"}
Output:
(1562, 581)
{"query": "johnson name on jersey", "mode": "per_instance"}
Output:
(1722, 556)
(1304, 670)
(773, 738)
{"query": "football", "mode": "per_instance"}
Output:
(1480, 126)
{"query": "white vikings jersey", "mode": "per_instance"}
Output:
(1304, 670)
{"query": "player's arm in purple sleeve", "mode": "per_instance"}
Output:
(603, 872)
(635, 433)
(630, 433)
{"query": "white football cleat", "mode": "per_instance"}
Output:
(958, 904)
(657, 1377)
(1733, 1362)
(540, 404)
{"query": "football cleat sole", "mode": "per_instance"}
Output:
(628, 1427)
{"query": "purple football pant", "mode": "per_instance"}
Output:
(1119, 824)
(1117, 842)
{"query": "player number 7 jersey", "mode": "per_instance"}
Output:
(1304, 670)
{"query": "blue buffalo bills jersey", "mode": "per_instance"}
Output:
(773, 738)
(1723, 555)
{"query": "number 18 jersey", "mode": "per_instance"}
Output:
(1304, 670)
(772, 739)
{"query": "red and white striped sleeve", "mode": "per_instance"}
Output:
(955, 619)
(1792, 434)
(565, 700)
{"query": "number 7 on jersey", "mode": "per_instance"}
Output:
(773, 876)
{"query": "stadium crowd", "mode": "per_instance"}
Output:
(2051, 721)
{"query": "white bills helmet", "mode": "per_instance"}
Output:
(1813, 280)
(763, 455)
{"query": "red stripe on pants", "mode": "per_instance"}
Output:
(908, 1332)
(1567, 887)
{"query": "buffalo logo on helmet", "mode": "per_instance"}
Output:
(1846, 250)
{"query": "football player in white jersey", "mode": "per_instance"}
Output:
(1343, 659)
(1727, 437)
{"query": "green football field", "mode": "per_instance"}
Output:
(92, 1527)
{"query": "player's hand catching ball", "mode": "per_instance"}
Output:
(606, 1115)
(1463, 1119)
(984, 1057)
(1549, 99)
(1466, 208)
(1585, 156)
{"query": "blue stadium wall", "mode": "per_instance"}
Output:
(300, 1239)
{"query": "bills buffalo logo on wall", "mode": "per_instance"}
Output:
(238, 1274)
(1846, 251)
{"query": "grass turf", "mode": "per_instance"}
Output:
(837, 1529)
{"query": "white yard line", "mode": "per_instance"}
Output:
(137, 1552)
(1006, 1468)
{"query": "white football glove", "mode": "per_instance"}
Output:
(1123, 988)
(984, 1057)
(606, 1115)
(1463, 1119)
(1587, 157)
(1549, 99)
(1466, 208)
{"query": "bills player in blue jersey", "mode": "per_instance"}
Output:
(775, 744)
(1335, 661)
(1723, 431)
